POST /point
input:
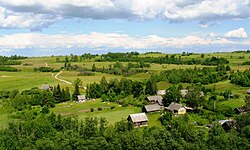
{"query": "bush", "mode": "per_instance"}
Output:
(112, 107)
(99, 108)
(91, 109)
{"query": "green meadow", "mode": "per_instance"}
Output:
(27, 78)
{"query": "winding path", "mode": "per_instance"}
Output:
(56, 77)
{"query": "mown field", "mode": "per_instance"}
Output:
(26, 78)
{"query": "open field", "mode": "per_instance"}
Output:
(82, 110)
(26, 78)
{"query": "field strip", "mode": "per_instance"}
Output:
(56, 77)
(6, 76)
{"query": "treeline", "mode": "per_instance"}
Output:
(12, 60)
(205, 75)
(241, 78)
(34, 97)
(75, 58)
(131, 57)
(46, 69)
(116, 69)
(49, 131)
(8, 69)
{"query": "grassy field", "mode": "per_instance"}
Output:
(82, 110)
(26, 78)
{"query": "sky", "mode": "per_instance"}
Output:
(59, 27)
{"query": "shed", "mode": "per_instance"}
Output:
(81, 98)
(176, 108)
(151, 108)
(154, 99)
(45, 87)
(242, 109)
(161, 92)
(138, 120)
(227, 124)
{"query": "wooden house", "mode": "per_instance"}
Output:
(138, 120)
(81, 98)
(155, 99)
(176, 108)
(151, 108)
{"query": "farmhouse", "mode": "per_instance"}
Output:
(151, 108)
(81, 98)
(45, 87)
(176, 108)
(155, 99)
(138, 120)
(161, 92)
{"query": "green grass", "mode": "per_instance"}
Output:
(82, 110)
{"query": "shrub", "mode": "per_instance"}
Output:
(112, 107)
(99, 108)
(91, 109)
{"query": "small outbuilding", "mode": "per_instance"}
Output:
(138, 120)
(155, 99)
(161, 92)
(81, 98)
(242, 109)
(151, 108)
(227, 124)
(45, 87)
(176, 108)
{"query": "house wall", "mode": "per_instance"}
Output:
(181, 111)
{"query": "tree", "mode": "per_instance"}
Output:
(202, 55)
(104, 85)
(151, 87)
(93, 68)
(194, 97)
(172, 95)
(67, 94)
(77, 83)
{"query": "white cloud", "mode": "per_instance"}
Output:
(203, 11)
(238, 33)
(94, 40)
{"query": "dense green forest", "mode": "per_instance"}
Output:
(39, 130)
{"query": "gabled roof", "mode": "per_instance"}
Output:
(161, 92)
(184, 92)
(154, 98)
(152, 108)
(174, 106)
(81, 97)
(45, 87)
(140, 117)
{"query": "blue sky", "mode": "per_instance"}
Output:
(58, 27)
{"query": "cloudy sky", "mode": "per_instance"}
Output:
(46, 27)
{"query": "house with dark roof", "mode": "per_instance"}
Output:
(227, 124)
(81, 98)
(155, 99)
(151, 108)
(138, 120)
(176, 108)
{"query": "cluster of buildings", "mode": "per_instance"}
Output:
(156, 105)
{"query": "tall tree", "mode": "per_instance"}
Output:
(172, 95)
(104, 85)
